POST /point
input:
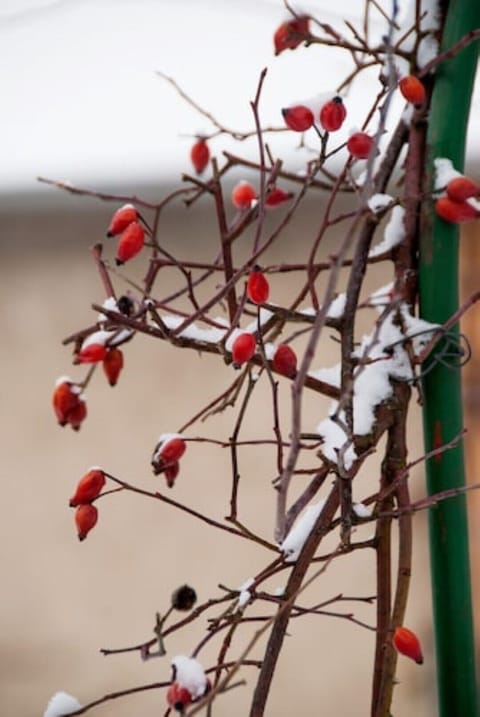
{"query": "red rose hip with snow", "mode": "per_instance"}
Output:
(88, 487)
(178, 697)
(86, 517)
(172, 449)
(121, 219)
(243, 349)
(277, 196)
(258, 288)
(298, 118)
(332, 114)
(360, 145)
(243, 194)
(462, 188)
(455, 212)
(65, 399)
(130, 243)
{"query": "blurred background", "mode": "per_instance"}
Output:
(82, 103)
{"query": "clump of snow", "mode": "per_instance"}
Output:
(61, 704)
(164, 437)
(120, 336)
(62, 379)
(244, 593)
(379, 202)
(361, 510)
(329, 375)
(334, 439)
(110, 305)
(427, 49)
(394, 233)
(372, 383)
(98, 337)
(444, 172)
(475, 203)
(382, 357)
(407, 114)
(337, 307)
(418, 330)
(212, 335)
(269, 350)
(309, 311)
(295, 540)
(280, 591)
(190, 674)
(381, 297)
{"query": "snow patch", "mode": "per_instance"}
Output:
(379, 202)
(61, 704)
(394, 233)
(361, 510)
(444, 172)
(295, 540)
(337, 307)
(190, 674)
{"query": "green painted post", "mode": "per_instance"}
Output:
(442, 413)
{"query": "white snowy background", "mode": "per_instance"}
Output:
(81, 100)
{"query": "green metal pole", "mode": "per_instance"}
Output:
(442, 412)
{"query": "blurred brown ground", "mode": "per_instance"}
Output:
(62, 600)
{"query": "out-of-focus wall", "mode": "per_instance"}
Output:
(62, 600)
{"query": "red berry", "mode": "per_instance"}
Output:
(360, 145)
(172, 449)
(78, 414)
(130, 243)
(243, 194)
(112, 365)
(86, 517)
(462, 188)
(92, 353)
(243, 348)
(121, 219)
(171, 472)
(200, 155)
(285, 361)
(412, 89)
(291, 34)
(65, 399)
(455, 212)
(407, 643)
(178, 697)
(258, 288)
(88, 487)
(277, 196)
(332, 114)
(299, 118)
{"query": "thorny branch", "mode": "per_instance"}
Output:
(211, 304)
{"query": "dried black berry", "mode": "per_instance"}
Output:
(184, 598)
(125, 305)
